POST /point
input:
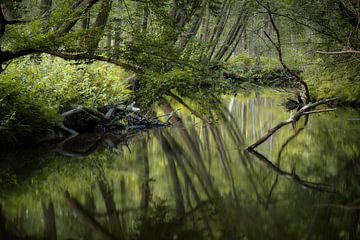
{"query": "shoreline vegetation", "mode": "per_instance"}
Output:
(91, 56)
(61, 112)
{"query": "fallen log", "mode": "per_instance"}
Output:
(107, 119)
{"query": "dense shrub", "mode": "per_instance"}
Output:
(34, 91)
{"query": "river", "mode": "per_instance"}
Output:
(194, 180)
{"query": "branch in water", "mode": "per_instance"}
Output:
(303, 111)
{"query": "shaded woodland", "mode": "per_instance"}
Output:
(120, 52)
(179, 119)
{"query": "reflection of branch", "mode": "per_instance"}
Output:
(292, 137)
(303, 111)
(271, 192)
(71, 153)
(81, 212)
(193, 111)
(292, 176)
(108, 138)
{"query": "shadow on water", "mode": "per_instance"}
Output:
(192, 181)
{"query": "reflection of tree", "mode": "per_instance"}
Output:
(179, 200)
(86, 217)
(49, 220)
(224, 159)
(174, 151)
(223, 193)
(145, 187)
(5, 234)
(107, 194)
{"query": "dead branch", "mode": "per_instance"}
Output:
(278, 48)
(72, 132)
(110, 112)
(320, 111)
(293, 119)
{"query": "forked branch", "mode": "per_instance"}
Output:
(305, 110)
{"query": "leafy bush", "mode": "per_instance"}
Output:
(201, 86)
(335, 76)
(23, 116)
(34, 91)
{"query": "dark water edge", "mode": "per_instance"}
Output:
(194, 181)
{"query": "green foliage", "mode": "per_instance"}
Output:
(335, 76)
(260, 72)
(23, 114)
(63, 85)
(201, 86)
(32, 98)
(243, 63)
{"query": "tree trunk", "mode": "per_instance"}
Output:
(45, 7)
(233, 34)
(219, 27)
(145, 18)
(99, 25)
(108, 197)
(49, 220)
(85, 22)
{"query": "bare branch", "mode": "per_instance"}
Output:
(320, 111)
(350, 51)
(303, 111)
(280, 54)
(7, 55)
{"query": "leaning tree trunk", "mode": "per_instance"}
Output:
(99, 25)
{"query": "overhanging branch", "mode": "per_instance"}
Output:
(6, 56)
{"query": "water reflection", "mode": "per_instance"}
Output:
(193, 181)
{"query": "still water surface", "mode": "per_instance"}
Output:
(194, 181)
